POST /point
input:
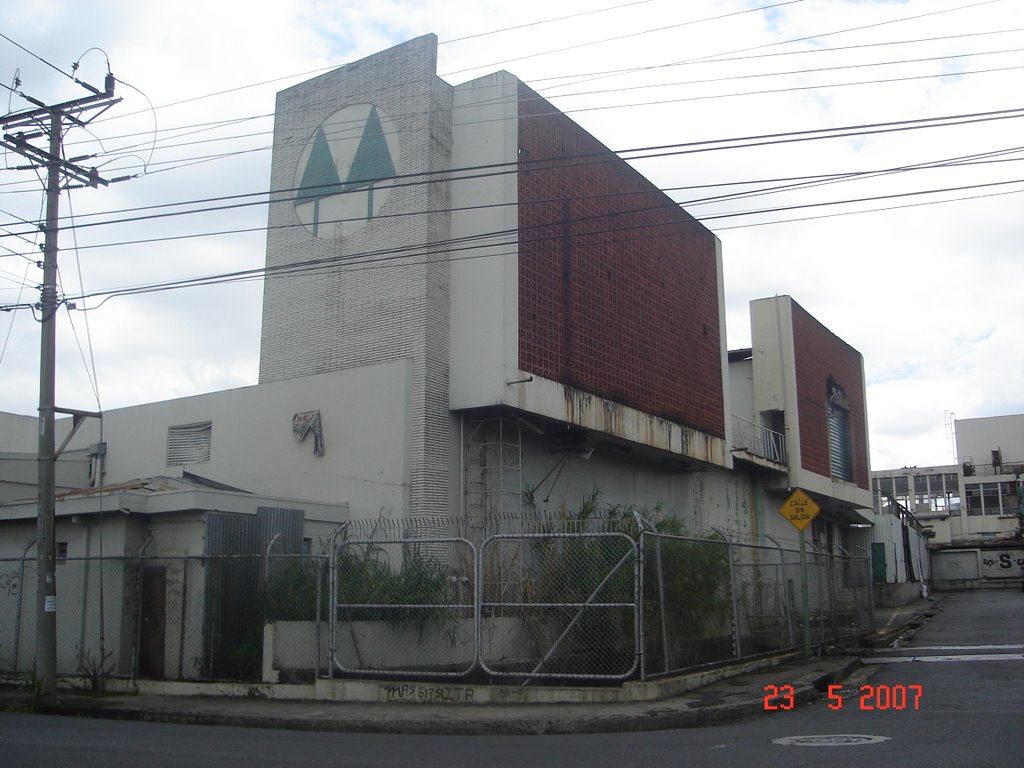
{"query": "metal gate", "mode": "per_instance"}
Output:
(559, 606)
(400, 607)
(524, 606)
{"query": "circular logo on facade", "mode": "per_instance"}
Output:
(346, 171)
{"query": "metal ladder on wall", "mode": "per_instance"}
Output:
(492, 468)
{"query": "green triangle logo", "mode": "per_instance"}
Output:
(372, 160)
(320, 178)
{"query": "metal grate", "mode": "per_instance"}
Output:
(189, 443)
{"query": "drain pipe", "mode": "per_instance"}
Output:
(21, 591)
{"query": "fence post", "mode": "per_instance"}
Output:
(21, 592)
(866, 578)
(318, 618)
(138, 609)
(732, 592)
(785, 591)
(182, 633)
(332, 597)
(661, 604)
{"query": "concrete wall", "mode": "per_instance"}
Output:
(736, 503)
(382, 291)
(977, 438)
(18, 434)
(364, 413)
(974, 568)
(484, 278)
(741, 391)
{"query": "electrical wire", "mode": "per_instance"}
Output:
(603, 156)
(532, 24)
(739, 213)
(90, 365)
(223, 155)
(465, 248)
(625, 36)
(37, 56)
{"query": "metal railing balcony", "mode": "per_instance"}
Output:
(758, 440)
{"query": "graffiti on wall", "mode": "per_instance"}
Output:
(1002, 564)
(10, 583)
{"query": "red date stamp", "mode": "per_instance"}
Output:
(869, 697)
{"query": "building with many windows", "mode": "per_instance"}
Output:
(973, 505)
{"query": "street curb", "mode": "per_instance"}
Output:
(504, 720)
(905, 629)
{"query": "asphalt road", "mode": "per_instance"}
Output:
(954, 696)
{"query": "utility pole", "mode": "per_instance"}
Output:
(48, 122)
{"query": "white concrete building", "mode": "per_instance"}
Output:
(476, 313)
(970, 512)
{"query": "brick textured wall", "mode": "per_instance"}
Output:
(618, 286)
(350, 313)
(819, 354)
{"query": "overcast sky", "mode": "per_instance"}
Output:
(919, 266)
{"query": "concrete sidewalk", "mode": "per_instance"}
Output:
(732, 698)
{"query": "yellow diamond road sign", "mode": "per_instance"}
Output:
(799, 509)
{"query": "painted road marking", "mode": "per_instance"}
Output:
(829, 740)
(963, 647)
(957, 657)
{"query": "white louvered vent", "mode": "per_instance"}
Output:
(189, 443)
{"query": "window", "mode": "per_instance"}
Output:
(973, 500)
(951, 483)
(189, 443)
(62, 551)
(983, 499)
(1010, 500)
(990, 498)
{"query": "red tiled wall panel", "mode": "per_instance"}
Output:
(819, 354)
(618, 286)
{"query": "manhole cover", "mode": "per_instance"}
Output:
(829, 740)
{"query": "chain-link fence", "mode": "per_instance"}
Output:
(400, 607)
(559, 606)
(708, 601)
(17, 611)
(539, 601)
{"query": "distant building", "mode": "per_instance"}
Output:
(973, 505)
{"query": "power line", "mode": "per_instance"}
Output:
(37, 57)
(567, 161)
(543, 21)
(188, 162)
(387, 259)
(224, 155)
(620, 37)
(756, 75)
(724, 59)
(869, 210)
